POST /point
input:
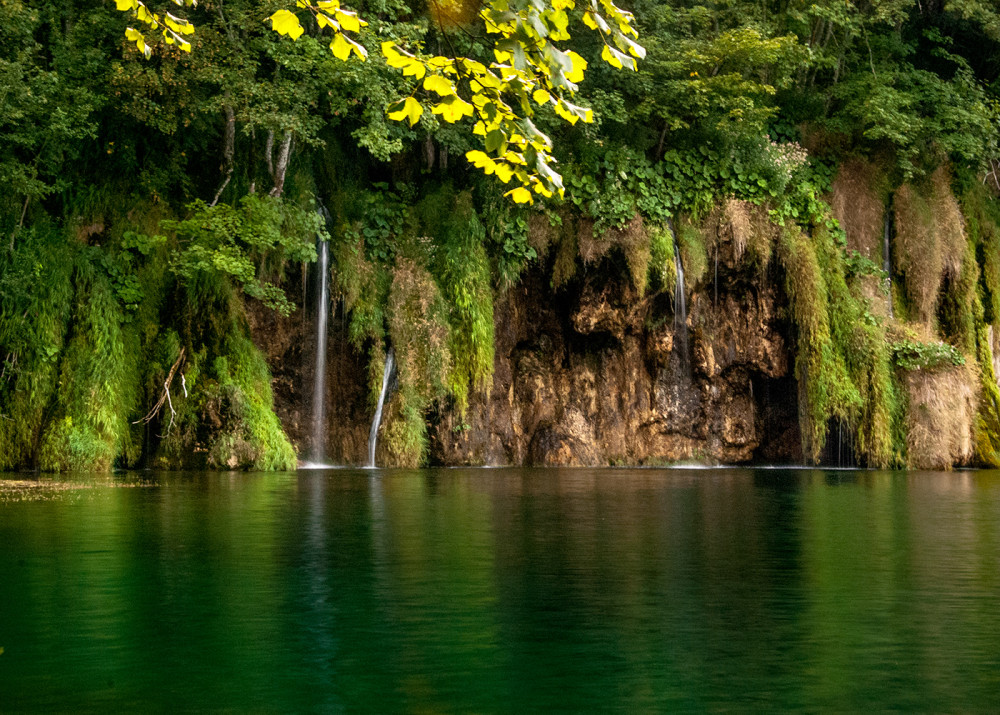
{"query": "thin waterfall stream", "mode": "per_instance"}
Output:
(680, 303)
(318, 446)
(388, 374)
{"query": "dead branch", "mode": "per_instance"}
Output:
(165, 396)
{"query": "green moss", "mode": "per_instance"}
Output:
(860, 341)
(252, 436)
(418, 321)
(662, 264)
(463, 274)
(98, 385)
(364, 288)
(36, 300)
(825, 388)
(988, 416)
(958, 303)
(694, 254)
(223, 413)
(982, 224)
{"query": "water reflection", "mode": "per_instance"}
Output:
(506, 590)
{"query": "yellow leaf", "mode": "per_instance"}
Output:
(349, 20)
(560, 21)
(541, 96)
(125, 5)
(285, 23)
(178, 24)
(563, 112)
(520, 195)
(139, 39)
(453, 109)
(503, 171)
(341, 50)
(411, 110)
(540, 188)
(588, 20)
(437, 83)
(145, 15)
(490, 80)
(501, 56)
(414, 68)
(358, 49)
(480, 160)
(480, 128)
(610, 58)
(473, 67)
(579, 65)
(326, 21)
(393, 57)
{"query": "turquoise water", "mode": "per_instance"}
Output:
(502, 590)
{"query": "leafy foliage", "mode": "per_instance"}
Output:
(245, 242)
(911, 355)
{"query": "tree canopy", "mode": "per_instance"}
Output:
(528, 69)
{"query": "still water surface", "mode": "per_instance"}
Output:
(502, 591)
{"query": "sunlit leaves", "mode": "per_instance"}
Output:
(173, 28)
(286, 23)
(529, 71)
(453, 108)
(437, 83)
(520, 195)
(139, 39)
(528, 66)
(409, 109)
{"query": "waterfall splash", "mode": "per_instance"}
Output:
(388, 374)
(318, 446)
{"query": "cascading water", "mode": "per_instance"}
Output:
(388, 373)
(319, 375)
(680, 304)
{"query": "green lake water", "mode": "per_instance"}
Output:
(502, 590)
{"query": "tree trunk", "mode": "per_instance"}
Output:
(269, 153)
(281, 165)
(228, 148)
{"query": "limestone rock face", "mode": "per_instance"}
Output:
(596, 375)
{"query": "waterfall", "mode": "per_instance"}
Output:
(680, 303)
(319, 376)
(886, 257)
(388, 372)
